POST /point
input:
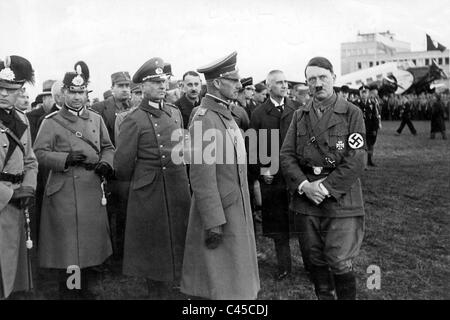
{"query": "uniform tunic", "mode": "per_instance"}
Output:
(370, 111)
(220, 197)
(159, 198)
(13, 252)
(329, 230)
(74, 225)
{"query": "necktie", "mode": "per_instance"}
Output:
(280, 108)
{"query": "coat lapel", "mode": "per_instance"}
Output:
(272, 111)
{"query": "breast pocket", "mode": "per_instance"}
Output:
(302, 139)
(338, 139)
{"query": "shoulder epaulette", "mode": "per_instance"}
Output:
(51, 114)
(171, 105)
(90, 109)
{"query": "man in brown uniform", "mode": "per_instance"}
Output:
(322, 158)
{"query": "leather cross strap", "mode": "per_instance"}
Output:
(11, 134)
(78, 134)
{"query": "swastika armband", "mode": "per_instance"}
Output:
(355, 140)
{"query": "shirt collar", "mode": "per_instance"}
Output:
(155, 105)
(76, 113)
(226, 103)
(276, 104)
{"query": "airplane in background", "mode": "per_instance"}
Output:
(394, 77)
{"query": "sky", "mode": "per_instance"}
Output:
(112, 35)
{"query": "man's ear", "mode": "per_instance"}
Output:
(216, 83)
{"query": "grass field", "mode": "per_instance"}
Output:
(407, 200)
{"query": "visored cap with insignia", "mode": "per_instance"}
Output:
(153, 70)
(222, 68)
(120, 77)
(15, 71)
(364, 87)
(77, 81)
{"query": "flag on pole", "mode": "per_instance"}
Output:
(434, 45)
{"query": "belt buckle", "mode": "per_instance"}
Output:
(317, 170)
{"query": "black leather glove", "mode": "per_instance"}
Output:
(22, 197)
(75, 158)
(214, 237)
(103, 170)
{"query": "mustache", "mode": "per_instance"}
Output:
(318, 88)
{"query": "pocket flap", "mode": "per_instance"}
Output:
(54, 186)
(229, 199)
(339, 131)
(144, 180)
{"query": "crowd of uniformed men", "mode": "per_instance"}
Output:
(107, 186)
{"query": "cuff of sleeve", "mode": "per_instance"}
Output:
(300, 191)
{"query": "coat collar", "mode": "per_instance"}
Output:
(331, 117)
(153, 111)
(217, 105)
(66, 114)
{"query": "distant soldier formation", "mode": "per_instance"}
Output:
(117, 186)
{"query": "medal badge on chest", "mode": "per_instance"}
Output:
(340, 145)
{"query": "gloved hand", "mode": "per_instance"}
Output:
(22, 197)
(214, 237)
(75, 158)
(103, 169)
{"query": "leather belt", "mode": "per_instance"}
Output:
(13, 178)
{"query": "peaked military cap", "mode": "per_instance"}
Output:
(222, 68)
(259, 87)
(120, 77)
(345, 88)
(373, 86)
(78, 80)
(167, 69)
(135, 87)
(364, 87)
(153, 70)
(15, 71)
(247, 82)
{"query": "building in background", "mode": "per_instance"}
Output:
(375, 49)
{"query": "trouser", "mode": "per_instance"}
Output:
(117, 208)
(433, 135)
(159, 290)
(410, 126)
(331, 244)
(283, 253)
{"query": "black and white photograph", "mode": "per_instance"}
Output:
(202, 150)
